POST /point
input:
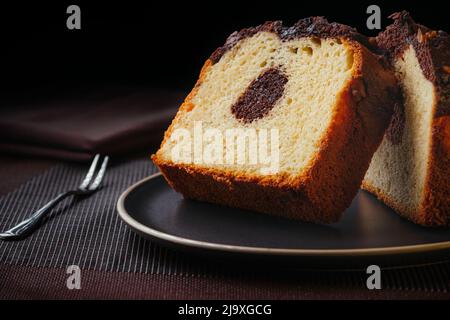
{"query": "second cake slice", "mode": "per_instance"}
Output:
(411, 170)
(308, 105)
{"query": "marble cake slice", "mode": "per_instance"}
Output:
(411, 170)
(318, 86)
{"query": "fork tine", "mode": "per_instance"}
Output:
(90, 173)
(100, 174)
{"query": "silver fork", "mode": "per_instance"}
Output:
(87, 187)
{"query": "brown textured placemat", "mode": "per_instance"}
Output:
(90, 234)
(50, 283)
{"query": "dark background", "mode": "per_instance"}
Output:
(152, 43)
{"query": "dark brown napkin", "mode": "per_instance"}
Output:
(77, 126)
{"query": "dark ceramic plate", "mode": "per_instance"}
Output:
(367, 230)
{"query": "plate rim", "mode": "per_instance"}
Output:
(187, 242)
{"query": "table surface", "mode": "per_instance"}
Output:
(27, 282)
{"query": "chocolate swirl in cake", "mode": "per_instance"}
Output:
(260, 96)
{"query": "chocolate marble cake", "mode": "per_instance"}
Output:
(411, 170)
(320, 93)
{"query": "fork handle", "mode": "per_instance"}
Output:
(28, 225)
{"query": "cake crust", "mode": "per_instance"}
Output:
(321, 193)
(307, 27)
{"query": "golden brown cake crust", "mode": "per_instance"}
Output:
(435, 209)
